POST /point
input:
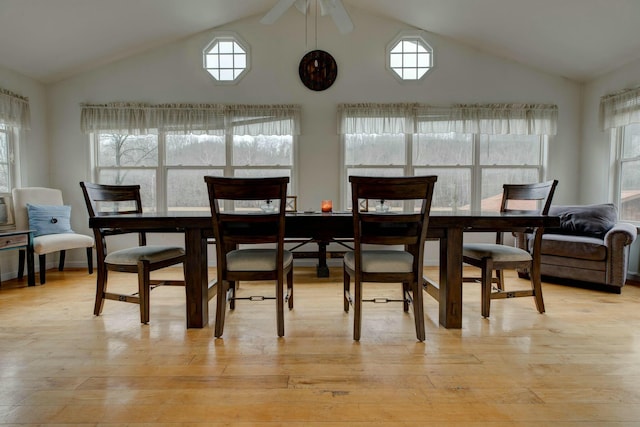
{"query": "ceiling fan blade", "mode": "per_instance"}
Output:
(340, 17)
(277, 11)
(303, 6)
(326, 7)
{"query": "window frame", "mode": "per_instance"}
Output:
(12, 136)
(476, 168)
(410, 35)
(618, 160)
(163, 168)
(227, 36)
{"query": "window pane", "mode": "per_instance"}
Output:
(262, 173)
(631, 142)
(5, 183)
(510, 150)
(375, 149)
(195, 150)
(443, 149)
(630, 194)
(369, 172)
(144, 177)
(493, 179)
(226, 61)
(265, 150)
(452, 190)
(127, 150)
(186, 189)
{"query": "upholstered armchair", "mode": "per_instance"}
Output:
(590, 246)
(50, 223)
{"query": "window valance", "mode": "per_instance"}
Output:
(14, 110)
(216, 119)
(620, 108)
(492, 119)
(489, 119)
(375, 118)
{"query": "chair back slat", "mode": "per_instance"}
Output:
(103, 200)
(516, 196)
(251, 226)
(405, 227)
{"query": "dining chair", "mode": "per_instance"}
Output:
(388, 228)
(43, 211)
(141, 259)
(516, 198)
(250, 212)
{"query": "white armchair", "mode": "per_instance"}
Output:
(47, 243)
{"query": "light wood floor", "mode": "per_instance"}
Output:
(578, 364)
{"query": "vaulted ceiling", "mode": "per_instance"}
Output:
(50, 40)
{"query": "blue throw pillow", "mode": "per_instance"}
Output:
(49, 219)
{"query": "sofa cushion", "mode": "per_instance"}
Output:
(584, 220)
(571, 246)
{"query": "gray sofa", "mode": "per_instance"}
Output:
(590, 246)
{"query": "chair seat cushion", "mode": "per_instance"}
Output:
(131, 256)
(256, 260)
(498, 253)
(381, 261)
(61, 242)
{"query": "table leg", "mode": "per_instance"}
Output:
(451, 279)
(323, 269)
(196, 278)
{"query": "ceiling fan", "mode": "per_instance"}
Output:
(335, 8)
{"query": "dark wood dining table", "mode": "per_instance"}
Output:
(324, 228)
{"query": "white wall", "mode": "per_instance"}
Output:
(596, 159)
(174, 73)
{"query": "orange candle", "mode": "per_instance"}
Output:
(327, 206)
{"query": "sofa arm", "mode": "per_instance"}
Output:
(621, 234)
(617, 241)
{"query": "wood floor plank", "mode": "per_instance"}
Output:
(575, 365)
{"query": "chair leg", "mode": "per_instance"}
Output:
(90, 260)
(347, 289)
(232, 291)
(21, 256)
(221, 306)
(487, 273)
(61, 261)
(101, 289)
(280, 304)
(43, 267)
(418, 311)
(357, 308)
(144, 290)
(290, 288)
(536, 284)
(500, 277)
(405, 302)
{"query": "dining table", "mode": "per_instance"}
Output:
(324, 228)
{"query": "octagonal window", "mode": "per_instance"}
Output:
(409, 57)
(226, 58)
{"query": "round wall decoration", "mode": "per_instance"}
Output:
(318, 70)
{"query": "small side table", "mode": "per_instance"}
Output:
(23, 240)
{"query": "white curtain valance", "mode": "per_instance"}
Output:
(116, 117)
(489, 119)
(620, 108)
(492, 119)
(264, 119)
(215, 119)
(14, 110)
(375, 118)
